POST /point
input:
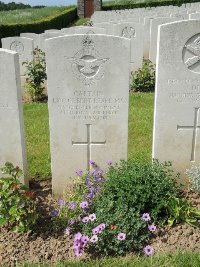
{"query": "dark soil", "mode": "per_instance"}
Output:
(46, 245)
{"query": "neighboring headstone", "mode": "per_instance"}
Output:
(108, 26)
(194, 16)
(134, 32)
(48, 35)
(69, 30)
(88, 102)
(23, 46)
(34, 36)
(52, 30)
(89, 30)
(176, 135)
(12, 145)
(154, 35)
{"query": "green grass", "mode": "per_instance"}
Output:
(127, 2)
(178, 259)
(37, 140)
(81, 21)
(29, 14)
(37, 133)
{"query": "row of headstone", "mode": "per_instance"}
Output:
(88, 101)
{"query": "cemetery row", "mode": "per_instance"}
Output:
(88, 101)
(138, 25)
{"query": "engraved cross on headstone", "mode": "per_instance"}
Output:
(195, 127)
(89, 143)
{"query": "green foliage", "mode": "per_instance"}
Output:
(128, 4)
(57, 21)
(194, 176)
(36, 75)
(143, 80)
(12, 6)
(17, 207)
(181, 210)
(131, 189)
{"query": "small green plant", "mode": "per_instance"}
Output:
(143, 80)
(113, 212)
(181, 210)
(36, 75)
(17, 206)
(194, 176)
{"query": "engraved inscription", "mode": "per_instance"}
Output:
(17, 47)
(195, 127)
(89, 105)
(89, 143)
(87, 64)
(128, 32)
(191, 54)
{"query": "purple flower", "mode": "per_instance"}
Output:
(121, 236)
(77, 236)
(85, 211)
(79, 172)
(95, 231)
(84, 205)
(78, 253)
(92, 217)
(146, 217)
(152, 228)
(85, 239)
(85, 219)
(76, 244)
(54, 213)
(94, 239)
(109, 162)
(102, 226)
(72, 205)
(72, 221)
(61, 202)
(92, 162)
(90, 195)
(67, 231)
(148, 250)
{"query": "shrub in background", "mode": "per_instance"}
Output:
(17, 205)
(143, 80)
(36, 75)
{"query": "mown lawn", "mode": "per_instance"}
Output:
(177, 259)
(29, 14)
(37, 133)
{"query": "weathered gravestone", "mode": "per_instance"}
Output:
(177, 100)
(154, 35)
(34, 36)
(23, 46)
(134, 32)
(88, 102)
(89, 30)
(12, 146)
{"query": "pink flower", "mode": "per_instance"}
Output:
(148, 250)
(92, 217)
(84, 204)
(94, 239)
(152, 228)
(67, 231)
(146, 217)
(121, 236)
(85, 219)
(95, 231)
(77, 236)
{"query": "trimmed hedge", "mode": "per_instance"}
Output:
(147, 4)
(58, 22)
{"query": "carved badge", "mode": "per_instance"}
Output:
(87, 64)
(17, 47)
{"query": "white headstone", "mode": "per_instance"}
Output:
(48, 35)
(12, 145)
(89, 30)
(88, 102)
(134, 32)
(177, 100)
(52, 30)
(154, 35)
(194, 16)
(69, 30)
(34, 36)
(23, 46)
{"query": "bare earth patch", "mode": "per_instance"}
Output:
(46, 245)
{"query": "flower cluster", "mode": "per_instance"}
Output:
(148, 250)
